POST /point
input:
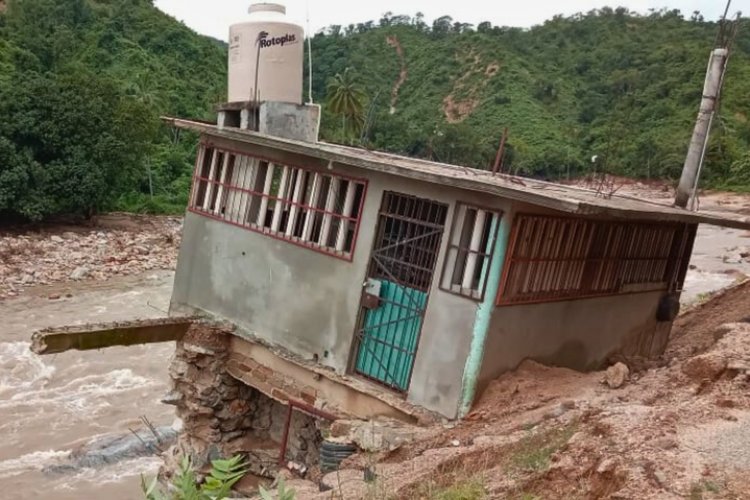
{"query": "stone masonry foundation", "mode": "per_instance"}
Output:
(222, 416)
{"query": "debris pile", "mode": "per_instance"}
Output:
(98, 253)
(678, 429)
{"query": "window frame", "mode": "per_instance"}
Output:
(449, 264)
(225, 188)
(675, 261)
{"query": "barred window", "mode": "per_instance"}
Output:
(472, 242)
(557, 258)
(305, 207)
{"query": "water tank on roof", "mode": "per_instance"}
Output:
(265, 53)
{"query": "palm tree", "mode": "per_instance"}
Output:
(346, 99)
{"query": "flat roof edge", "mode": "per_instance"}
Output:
(461, 177)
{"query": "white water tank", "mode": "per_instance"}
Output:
(268, 50)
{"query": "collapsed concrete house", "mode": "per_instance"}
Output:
(367, 278)
(416, 279)
(359, 284)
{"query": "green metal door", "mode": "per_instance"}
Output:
(395, 295)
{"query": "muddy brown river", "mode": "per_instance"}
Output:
(53, 404)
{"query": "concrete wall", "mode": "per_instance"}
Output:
(292, 121)
(579, 334)
(308, 302)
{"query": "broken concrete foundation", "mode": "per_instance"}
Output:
(221, 416)
(97, 336)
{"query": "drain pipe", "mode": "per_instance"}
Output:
(484, 315)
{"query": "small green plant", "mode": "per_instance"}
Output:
(282, 492)
(222, 476)
(696, 492)
(467, 489)
(698, 488)
(711, 487)
(535, 451)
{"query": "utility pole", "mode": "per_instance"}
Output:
(717, 65)
(699, 142)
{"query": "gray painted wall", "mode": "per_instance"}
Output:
(579, 334)
(308, 302)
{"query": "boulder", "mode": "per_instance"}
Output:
(617, 375)
(705, 367)
(79, 273)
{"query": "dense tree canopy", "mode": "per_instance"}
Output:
(83, 82)
(82, 85)
(610, 83)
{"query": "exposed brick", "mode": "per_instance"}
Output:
(308, 398)
(264, 370)
(279, 394)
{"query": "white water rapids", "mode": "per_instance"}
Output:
(50, 405)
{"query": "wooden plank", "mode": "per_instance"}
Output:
(101, 335)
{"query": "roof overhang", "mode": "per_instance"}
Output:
(554, 196)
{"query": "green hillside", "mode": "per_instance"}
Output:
(83, 82)
(82, 85)
(608, 83)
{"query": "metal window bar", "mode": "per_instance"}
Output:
(470, 250)
(286, 202)
(559, 258)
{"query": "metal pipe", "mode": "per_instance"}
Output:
(281, 195)
(300, 182)
(312, 202)
(351, 188)
(266, 193)
(209, 185)
(471, 257)
(333, 192)
(306, 408)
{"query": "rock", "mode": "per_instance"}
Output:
(616, 375)
(197, 349)
(112, 449)
(704, 367)
(455, 442)
(380, 435)
(79, 273)
(54, 296)
(173, 397)
(341, 428)
(606, 466)
(56, 239)
(665, 443)
(557, 411)
(660, 478)
(739, 365)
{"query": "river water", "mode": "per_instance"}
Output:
(52, 404)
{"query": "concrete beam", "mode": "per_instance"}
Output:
(280, 377)
(100, 335)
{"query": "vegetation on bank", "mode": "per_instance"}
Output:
(82, 86)
(217, 485)
(83, 83)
